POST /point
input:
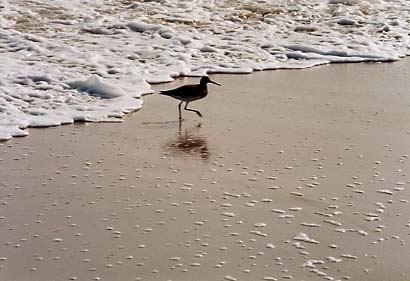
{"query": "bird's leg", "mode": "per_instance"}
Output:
(179, 109)
(179, 126)
(196, 111)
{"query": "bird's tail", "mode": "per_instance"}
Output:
(163, 92)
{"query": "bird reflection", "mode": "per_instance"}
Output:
(189, 143)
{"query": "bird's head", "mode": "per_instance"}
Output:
(205, 80)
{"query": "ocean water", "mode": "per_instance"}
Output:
(66, 61)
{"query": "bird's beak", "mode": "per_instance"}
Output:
(214, 83)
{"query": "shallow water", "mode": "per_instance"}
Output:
(287, 186)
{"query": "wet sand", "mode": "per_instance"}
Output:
(290, 175)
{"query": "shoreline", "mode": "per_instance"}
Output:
(22, 131)
(289, 175)
(66, 63)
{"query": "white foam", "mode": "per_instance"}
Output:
(305, 238)
(95, 86)
(112, 49)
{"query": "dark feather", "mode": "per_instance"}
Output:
(188, 93)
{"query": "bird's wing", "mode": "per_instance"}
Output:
(180, 91)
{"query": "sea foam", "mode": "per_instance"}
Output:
(63, 62)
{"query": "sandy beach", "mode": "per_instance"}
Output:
(290, 175)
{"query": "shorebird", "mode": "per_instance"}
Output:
(188, 93)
